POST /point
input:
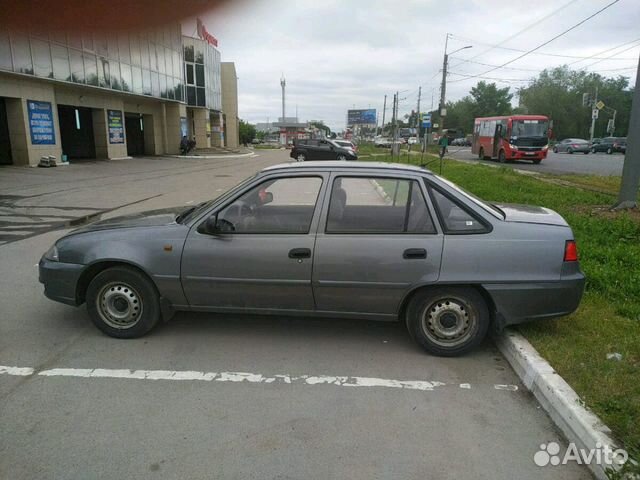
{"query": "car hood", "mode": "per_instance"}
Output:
(149, 218)
(531, 214)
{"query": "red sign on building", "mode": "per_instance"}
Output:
(204, 34)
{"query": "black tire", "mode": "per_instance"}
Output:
(127, 285)
(481, 154)
(536, 161)
(593, 150)
(586, 152)
(502, 157)
(341, 157)
(609, 151)
(570, 150)
(301, 157)
(465, 305)
(555, 149)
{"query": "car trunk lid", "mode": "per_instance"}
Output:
(531, 214)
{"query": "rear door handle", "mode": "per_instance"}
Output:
(300, 253)
(412, 253)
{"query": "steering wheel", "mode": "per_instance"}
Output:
(226, 225)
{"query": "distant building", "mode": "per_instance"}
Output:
(291, 129)
(230, 105)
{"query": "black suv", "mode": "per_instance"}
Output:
(320, 149)
(610, 145)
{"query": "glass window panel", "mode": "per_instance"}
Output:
(199, 53)
(5, 52)
(155, 84)
(77, 66)
(455, 217)
(102, 46)
(90, 69)
(152, 56)
(125, 75)
(160, 57)
(168, 58)
(87, 41)
(41, 58)
(200, 75)
(144, 53)
(163, 86)
(135, 50)
(171, 88)
(136, 76)
(74, 39)
(104, 72)
(115, 75)
(146, 82)
(177, 69)
(190, 74)
(59, 36)
(112, 42)
(201, 100)
(21, 54)
(191, 95)
(179, 90)
(123, 47)
(188, 53)
(159, 36)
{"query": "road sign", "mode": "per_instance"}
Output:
(600, 105)
(426, 120)
(594, 113)
(435, 125)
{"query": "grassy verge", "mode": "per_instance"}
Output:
(608, 319)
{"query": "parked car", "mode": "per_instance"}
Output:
(360, 240)
(572, 145)
(611, 145)
(320, 149)
(412, 140)
(346, 144)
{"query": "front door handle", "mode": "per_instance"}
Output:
(413, 253)
(300, 253)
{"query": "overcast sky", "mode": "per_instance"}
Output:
(341, 54)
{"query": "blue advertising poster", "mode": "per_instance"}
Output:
(361, 117)
(426, 120)
(41, 123)
(183, 127)
(116, 126)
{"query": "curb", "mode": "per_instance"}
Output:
(554, 394)
(204, 157)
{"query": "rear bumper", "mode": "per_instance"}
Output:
(525, 302)
(60, 280)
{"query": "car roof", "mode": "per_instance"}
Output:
(342, 165)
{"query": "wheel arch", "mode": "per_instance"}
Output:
(491, 306)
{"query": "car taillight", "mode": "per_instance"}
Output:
(570, 251)
(574, 145)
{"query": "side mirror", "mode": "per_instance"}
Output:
(209, 226)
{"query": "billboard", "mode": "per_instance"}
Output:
(116, 126)
(41, 123)
(361, 117)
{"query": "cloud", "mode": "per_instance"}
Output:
(339, 54)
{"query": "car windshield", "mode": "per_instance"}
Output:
(529, 128)
(492, 209)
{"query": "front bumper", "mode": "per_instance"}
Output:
(60, 280)
(525, 302)
(524, 155)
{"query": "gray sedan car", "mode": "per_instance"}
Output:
(572, 145)
(332, 239)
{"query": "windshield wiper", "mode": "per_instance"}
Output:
(185, 213)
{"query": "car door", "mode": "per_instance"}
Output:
(261, 254)
(376, 239)
(325, 151)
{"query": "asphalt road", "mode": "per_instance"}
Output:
(558, 163)
(313, 399)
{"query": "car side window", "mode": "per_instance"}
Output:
(455, 217)
(282, 205)
(378, 205)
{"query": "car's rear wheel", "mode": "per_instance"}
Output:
(586, 152)
(555, 149)
(609, 151)
(448, 321)
(593, 150)
(122, 302)
(341, 157)
(481, 154)
(569, 150)
(301, 157)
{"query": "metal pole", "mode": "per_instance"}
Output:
(593, 118)
(443, 86)
(628, 196)
(418, 113)
(384, 112)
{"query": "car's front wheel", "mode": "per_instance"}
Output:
(123, 303)
(555, 149)
(341, 157)
(593, 150)
(448, 321)
(609, 151)
(301, 157)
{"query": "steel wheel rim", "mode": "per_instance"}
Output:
(341, 157)
(119, 305)
(300, 158)
(449, 321)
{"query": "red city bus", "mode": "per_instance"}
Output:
(514, 137)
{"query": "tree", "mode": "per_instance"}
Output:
(247, 132)
(320, 125)
(489, 100)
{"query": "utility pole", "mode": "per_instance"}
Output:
(418, 112)
(384, 112)
(628, 196)
(593, 117)
(443, 86)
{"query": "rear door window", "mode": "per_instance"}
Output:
(454, 216)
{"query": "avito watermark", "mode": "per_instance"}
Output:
(549, 454)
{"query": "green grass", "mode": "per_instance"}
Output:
(608, 319)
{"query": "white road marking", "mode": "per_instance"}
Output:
(237, 377)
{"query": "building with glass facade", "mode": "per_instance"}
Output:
(106, 94)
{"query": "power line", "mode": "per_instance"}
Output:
(595, 55)
(573, 27)
(603, 59)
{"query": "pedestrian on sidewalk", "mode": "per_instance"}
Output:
(444, 143)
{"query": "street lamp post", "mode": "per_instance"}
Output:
(443, 88)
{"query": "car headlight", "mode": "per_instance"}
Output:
(513, 147)
(52, 254)
(546, 147)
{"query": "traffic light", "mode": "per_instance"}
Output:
(586, 99)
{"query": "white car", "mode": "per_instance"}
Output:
(346, 144)
(412, 140)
